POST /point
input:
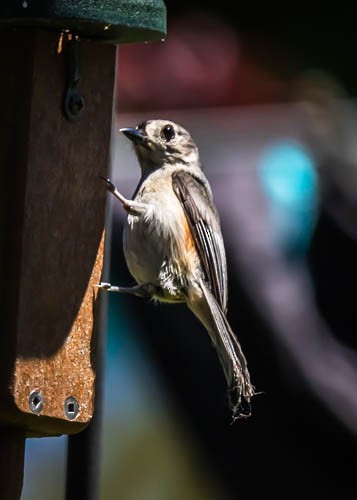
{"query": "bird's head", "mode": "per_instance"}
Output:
(160, 142)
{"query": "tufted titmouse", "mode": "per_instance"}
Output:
(173, 243)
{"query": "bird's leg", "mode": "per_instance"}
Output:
(131, 206)
(145, 290)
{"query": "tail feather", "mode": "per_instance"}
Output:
(229, 352)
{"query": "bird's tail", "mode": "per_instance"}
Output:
(230, 353)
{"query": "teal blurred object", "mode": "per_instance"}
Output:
(128, 365)
(113, 21)
(289, 180)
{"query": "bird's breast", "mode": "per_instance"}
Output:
(158, 245)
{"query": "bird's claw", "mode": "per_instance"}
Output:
(109, 183)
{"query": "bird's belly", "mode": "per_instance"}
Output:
(159, 250)
(144, 252)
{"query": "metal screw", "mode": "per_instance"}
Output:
(36, 402)
(71, 408)
(76, 104)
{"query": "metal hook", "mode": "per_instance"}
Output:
(73, 101)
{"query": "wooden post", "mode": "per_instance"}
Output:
(12, 449)
(52, 218)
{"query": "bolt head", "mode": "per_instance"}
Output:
(71, 408)
(36, 402)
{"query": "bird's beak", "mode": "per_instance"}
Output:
(135, 135)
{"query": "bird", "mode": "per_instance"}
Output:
(173, 243)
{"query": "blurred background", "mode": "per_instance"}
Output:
(272, 109)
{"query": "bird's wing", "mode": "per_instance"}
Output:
(204, 223)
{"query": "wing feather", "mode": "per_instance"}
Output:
(202, 217)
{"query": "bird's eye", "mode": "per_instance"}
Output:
(168, 133)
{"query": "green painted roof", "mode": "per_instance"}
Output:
(114, 21)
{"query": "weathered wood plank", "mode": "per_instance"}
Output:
(52, 212)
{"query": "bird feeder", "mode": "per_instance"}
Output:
(57, 78)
